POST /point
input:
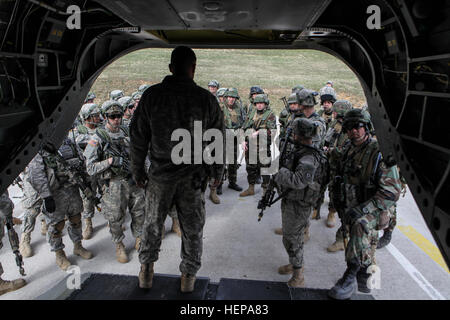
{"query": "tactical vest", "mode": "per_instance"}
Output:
(238, 121)
(359, 172)
(252, 124)
(120, 148)
(309, 195)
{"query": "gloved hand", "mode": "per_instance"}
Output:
(352, 215)
(117, 162)
(49, 204)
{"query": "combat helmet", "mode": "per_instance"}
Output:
(214, 83)
(116, 94)
(307, 97)
(137, 95)
(111, 107)
(261, 98)
(355, 116)
(297, 88)
(221, 92)
(126, 102)
(231, 92)
(89, 109)
(341, 107)
(305, 127)
(90, 96)
(143, 87)
(327, 94)
(255, 89)
(292, 98)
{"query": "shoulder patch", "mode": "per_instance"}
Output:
(93, 142)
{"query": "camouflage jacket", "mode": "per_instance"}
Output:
(176, 103)
(319, 138)
(234, 118)
(126, 122)
(47, 173)
(327, 117)
(82, 135)
(302, 174)
(368, 184)
(335, 140)
(98, 151)
(256, 121)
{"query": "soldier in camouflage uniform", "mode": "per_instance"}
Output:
(260, 120)
(107, 157)
(213, 86)
(234, 117)
(6, 213)
(302, 176)
(116, 95)
(90, 113)
(220, 96)
(327, 98)
(175, 103)
(51, 175)
(143, 87)
(32, 204)
(335, 140)
(128, 106)
(253, 92)
(368, 187)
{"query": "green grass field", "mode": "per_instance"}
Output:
(276, 71)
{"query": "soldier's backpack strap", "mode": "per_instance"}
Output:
(249, 122)
(104, 136)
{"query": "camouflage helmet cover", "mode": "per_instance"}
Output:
(231, 92)
(341, 107)
(327, 94)
(297, 88)
(89, 109)
(116, 94)
(137, 95)
(356, 116)
(126, 102)
(307, 97)
(261, 98)
(305, 127)
(221, 92)
(90, 96)
(292, 98)
(111, 107)
(143, 87)
(213, 83)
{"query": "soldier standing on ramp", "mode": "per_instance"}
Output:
(173, 104)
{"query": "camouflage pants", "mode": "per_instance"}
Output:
(363, 240)
(254, 170)
(88, 205)
(186, 194)
(294, 219)
(32, 204)
(68, 203)
(117, 197)
(6, 212)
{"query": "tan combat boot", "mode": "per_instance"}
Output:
(87, 232)
(146, 276)
(16, 221)
(61, 260)
(137, 243)
(336, 246)
(331, 219)
(78, 250)
(297, 280)
(306, 236)
(286, 269)
(213, 196)
(279, 231)
(24, 245)
(314, 214)
(44, 228)
(8, 286)
(121, 254)
(187, 282)
(249, 192)
(176, 226)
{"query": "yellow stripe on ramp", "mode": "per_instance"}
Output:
(423, 243)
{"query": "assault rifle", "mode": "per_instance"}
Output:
(286, 105)
(338, 199)
(117, 153)
(14, 242)
(267, 198)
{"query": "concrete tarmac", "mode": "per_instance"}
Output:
(237, 246)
